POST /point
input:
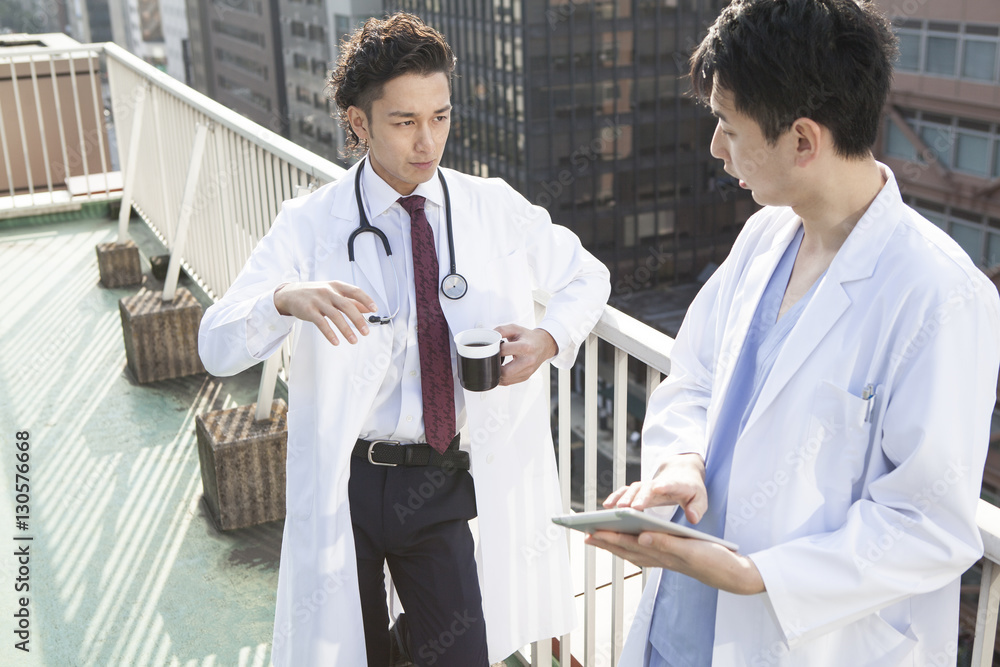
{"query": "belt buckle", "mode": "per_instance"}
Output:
(371, 448)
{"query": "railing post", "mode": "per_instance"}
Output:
(590, 495)
(265, 393)
(187, 206)
(141, 92)
(618, 466)
(986, 616)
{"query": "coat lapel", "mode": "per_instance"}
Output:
(855, 261)
(464, 313)
(747, 297)
(367, 247)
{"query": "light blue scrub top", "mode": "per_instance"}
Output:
(682, 629)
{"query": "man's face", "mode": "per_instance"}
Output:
(764, 169)
(408, 128)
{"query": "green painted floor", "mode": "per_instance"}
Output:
(125, 568)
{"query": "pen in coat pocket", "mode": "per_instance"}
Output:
(868, 395)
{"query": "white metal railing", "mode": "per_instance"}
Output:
(188, 159)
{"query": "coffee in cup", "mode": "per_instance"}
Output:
(478, 358)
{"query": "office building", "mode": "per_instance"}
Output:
(235, 57)
(582, 107)
(311, 32)
(941, 134)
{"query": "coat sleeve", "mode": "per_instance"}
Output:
(915, 530)
(244, 327)
(578, 283)
(677, 411)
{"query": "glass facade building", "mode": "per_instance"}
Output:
(583, 107)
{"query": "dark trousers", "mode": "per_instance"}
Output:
(416, 520)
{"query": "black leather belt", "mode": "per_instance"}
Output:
(392, 453)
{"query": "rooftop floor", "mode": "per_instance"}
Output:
(126, 567)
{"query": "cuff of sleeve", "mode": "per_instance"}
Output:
(566, 354)
(777, 600)
(266, 326)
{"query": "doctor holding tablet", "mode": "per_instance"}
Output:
(831, 388)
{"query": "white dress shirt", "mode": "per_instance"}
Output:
(398, 410)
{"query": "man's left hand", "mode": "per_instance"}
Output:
(710, 563)
(530, 348)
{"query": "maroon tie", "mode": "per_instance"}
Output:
(437, 385)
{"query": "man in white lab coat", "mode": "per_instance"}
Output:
(828, 407)
(364, 373)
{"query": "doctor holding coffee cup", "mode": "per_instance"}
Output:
(482, 354)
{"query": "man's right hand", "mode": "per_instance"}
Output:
(679, 481)
(322, 303)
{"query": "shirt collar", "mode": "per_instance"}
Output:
(379, 195)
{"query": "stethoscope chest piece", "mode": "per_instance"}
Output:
(454, 286)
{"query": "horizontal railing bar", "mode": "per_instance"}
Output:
(316, 166)
(637, 338)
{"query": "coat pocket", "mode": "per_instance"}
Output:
(300, 468)
(839, 434)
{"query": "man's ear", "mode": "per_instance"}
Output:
(359, 122)
(809, 138)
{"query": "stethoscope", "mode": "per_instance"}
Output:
(454, 286)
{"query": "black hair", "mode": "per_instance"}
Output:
(381, 50)
(827, 60)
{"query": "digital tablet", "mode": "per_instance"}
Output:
(633, 522)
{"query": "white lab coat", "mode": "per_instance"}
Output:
(504, 247)
(859, 527)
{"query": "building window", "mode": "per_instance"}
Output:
(979, 60)
(909, 52)
(897, 145)
(957, 50)
(975, 233)
(318, 67)
(250, 6)
(343, 26)
(992, 248)
(317, 33)
(242, 63)
(300, 61)
(969, 146)
(298, 29)
(941, 53)
(236, 32)
(245, 93)
(970, 238)
(972, 153)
